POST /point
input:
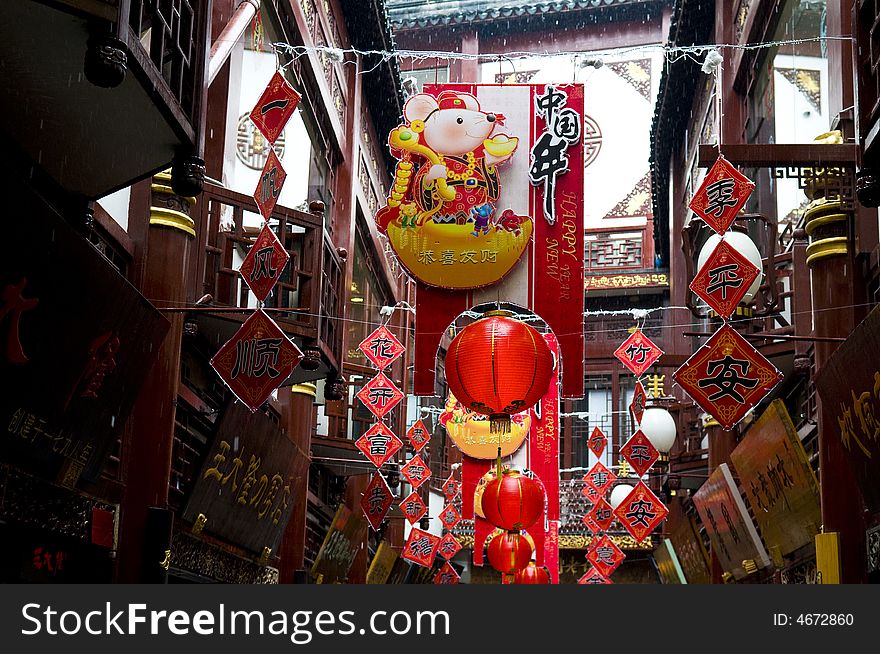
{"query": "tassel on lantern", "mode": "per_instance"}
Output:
(499, 423)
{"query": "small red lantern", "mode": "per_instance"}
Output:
(498, 366)
(532, 574)
(513, 501)
(509, 552)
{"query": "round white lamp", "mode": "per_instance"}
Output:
(746, 247)
(618, 494)
(658, 426)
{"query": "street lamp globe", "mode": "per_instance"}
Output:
(618, 494)
(746, 247)
(658, 426)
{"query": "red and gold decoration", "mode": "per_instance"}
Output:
(599, 478)
(269, 187)
(601, 515)
(275, 107)
(469, 431)
(381, 347)
(498, 366)
(640, 512)
(380, 395)
(256, 360)
(449, 546)
(593, 576)
(450, 517)
(532, 574)
(416, 471)
(639, 452)
(605, 556)
(376, 500)
(413, 508)
(418, 435)
(513, 501)
(727, 377)
(722, 194)
(451, 488)
(421, 547)
(379, 444)
(638, 404)
(597, 442)
(724, 279)
(264, 263)
(638, 353)
(447, 575)
(509, 552)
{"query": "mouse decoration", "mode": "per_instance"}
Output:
(440, 216)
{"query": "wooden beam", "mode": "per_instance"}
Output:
(781, 154)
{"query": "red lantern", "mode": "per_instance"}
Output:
(532, 574)
(513, 502)
(498, 366)
(509, 552)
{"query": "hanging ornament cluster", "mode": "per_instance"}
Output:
(379, 443)
(727, 377)
(260, 357)
(498, 366)
(450, 516)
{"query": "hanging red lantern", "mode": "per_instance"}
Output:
(513, 501)
(532, 574)
(498, 366)
(509, 552)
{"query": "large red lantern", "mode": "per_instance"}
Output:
(498, 366)
(509, 552)
(513, 501)
(532, 574)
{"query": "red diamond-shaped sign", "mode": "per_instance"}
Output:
(416, 472)
(413, 508)
(450, 517)
(723, 280)
(380, 395)
(589, 492)
(447, 575)
(597, 442)
(722, 194)
(449, 546)
(727, 377)
(418, 435)
(591, 524)
(640, 512)
(602, 514)
(382, 347)
(269, 185)
(638, 353)
(275, 107)
(256, 360)
(592, 576)
(376, 500)
(379, 444)
(606, 556)
(600, 478)
(264, 263)
(420, 547)
(450, 488)
(638, 404)
(639, 452)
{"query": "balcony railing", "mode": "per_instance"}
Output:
(623, 249)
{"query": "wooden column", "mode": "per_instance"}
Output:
(146, 456)
(299, 406)
(354, 488)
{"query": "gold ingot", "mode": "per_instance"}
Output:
(501, 145)
(396, 196)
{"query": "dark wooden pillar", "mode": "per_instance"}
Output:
(355, 487)
(299, 405)
(146, 456)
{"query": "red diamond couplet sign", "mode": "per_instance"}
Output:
(416, 472)
(606, 556)
(602, 514)
(376, 500)
(446, 575)
(449, 546)
(638, 404)
(275, 107)
(420, 547)
(380, 395)
(450, 517)
(413, 508)
(640, 512)
(600, 478)
(589, 492)
(256, 360)
(639, 452)
(723, 280)
(264, 263)
(381, 347)
(418, 435)
(722, 194)
(597, 442)
(638, 353)
(591, 524)
(379, 444)
(269, 187)
(727, 377)
(592, 576)
(450, 488)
